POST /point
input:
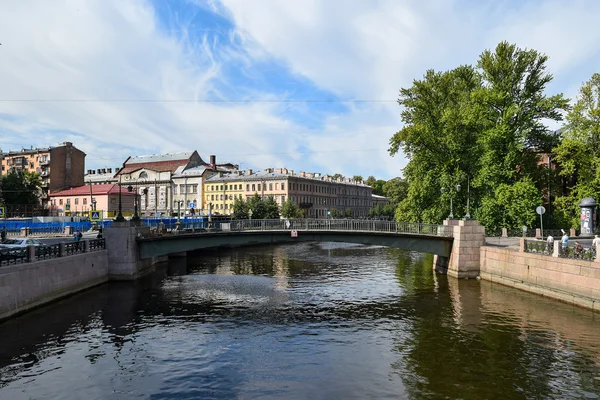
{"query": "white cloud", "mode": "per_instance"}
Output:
(115, 49)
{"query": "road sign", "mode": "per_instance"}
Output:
(68, 207)
(95, 215)
(2, 215)
(192, 204)
(540, 210)
(294, 233)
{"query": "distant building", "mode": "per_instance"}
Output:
(78, 201)
(164, 179)
(315, 193)
(59, 167)
(101, 176)
(379, 200)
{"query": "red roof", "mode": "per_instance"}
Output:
(108, 188)
(158, 166)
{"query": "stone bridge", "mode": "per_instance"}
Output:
(455, 245)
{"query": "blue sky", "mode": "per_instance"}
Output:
(305, 85)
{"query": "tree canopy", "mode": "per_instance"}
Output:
(22, 188)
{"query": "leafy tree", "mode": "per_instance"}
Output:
(348, 212)
(357, 178)
(579, 151)
(20, 188)
(289, 209)
(240, 209)
(271, 208)
(258, 207)
(438, 139)
(511, 206)
(514, 107)
(337, 176)
(396, 189)
(370, 181)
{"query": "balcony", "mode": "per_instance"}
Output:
(44, 173)
(45, 161)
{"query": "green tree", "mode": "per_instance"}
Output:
(271, 208)
(396, 189)
(348, 212)
(240, 209)
(337, 176)
(257, 206)
(511, 206)
(20, 188)
(438, 138)
(579, 151)
(357, 178)
(514, 107)
(289, 209)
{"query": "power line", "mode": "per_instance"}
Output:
(191, 101)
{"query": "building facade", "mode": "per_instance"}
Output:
(59, 167)
(101, 176)
(315, 193)
(80, 201)
(380, 200)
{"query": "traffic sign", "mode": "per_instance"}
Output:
(294, 234)
(68, 207)
(192, 204)
(95, 215)
(540, 210)
(2, 215)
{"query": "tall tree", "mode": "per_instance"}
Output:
(357, 178)
(20, 188)
(257, 206)
(271, 208)
(579, 151)
(289, 209)
(240, 209)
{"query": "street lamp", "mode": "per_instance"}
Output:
(443, 190)
(468, 214)
(120, 217)
(135, 217)
(179, 202)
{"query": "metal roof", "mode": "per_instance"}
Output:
(160, 157)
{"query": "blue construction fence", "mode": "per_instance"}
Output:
(14, 226)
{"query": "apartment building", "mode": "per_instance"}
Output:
(315, 193)
(101, 176)
(80, 200)
(59, 167)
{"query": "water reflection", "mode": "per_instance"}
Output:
(297, 321)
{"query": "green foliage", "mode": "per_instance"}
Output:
(240, 209)
(289, 209)
(396, 189)
(257, 206)
(357, 178)
(511, 206)
(337, 176)
(21, 188)
(382, 211)
(579, 151)
(271, 208)
(376, 184)
(348, 213)
(480, 128)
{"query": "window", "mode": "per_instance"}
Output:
(143, 175)
(270, 186)
(212, 187)
(230, 197)
(282, 199)
(221, 197)
(264, 186)
(76, 201)
(60, 202)
(226, 205)
(247, 187)
(212, 197)
(253, 187)
(283, 186)
(221, 188)
(68, 201)
(225, 187)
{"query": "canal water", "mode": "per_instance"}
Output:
(302, 321)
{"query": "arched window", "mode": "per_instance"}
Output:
(142, 175)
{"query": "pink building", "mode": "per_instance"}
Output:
(78, 200)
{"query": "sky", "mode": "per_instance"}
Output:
(310, 85)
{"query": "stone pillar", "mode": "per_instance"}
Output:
(522, 245)
(504, 232)
(441, 263)
(86, 246)
(556, 252)
(464, 260)
(124, 263)
(31, 253)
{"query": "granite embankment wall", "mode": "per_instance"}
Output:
(573, 281)
(28, 285)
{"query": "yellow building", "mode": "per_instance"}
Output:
(220, 192)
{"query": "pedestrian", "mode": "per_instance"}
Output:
(550, 243)
(564, 241)
(3, 235)
(79, 235)
(99, 236)
(596, 241)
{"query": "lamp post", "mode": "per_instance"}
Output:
(120, 217)
(468, 214)
(443, 190)
(178, 214)
(135, 217)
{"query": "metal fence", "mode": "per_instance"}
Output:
(542, 247)
(351, 225)
(10, 256)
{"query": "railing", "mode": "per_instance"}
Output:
(96, 244)
(14, 256)
(74, 248)
(542, 247)
(350, 225)
(45, 252)
(18, 255)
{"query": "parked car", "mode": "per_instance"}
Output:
(20, 242)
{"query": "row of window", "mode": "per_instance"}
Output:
(303, 187)
(76, 201)
(253, 187)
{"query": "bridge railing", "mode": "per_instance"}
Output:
(351, 225)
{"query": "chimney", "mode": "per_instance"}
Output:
(302, 174)
(99, 171)
(110, 170)
(117, 169)
(213, 160)
(103, 170)
(89, 172)
(249, 172)
(291, 172)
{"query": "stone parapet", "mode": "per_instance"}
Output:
(124, 262)
(464, 260)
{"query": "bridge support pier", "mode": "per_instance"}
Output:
(464, 260)
(124, 263)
